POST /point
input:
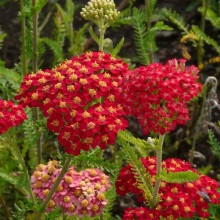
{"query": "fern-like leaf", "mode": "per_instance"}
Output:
(118, 47)
(55, 47)
(142, 176)
(30, 139)
(179, 177)
(141, 145)
(211, 16)
(206, 38)
(215, 144)
(140, 32)
(175, 18)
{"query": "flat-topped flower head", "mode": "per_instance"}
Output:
(178, 200)
(10, 115)
(100, 11)
(158, 94)
(80, 99)
(79, 193)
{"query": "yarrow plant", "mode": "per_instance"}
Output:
(87, 101)
(79, 193)
(10, 115)
(80, 99)
(158, 94)
(177, 200)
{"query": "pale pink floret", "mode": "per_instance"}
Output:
(79, 193)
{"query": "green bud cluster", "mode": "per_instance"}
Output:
(97, 10)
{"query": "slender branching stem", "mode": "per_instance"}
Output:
(23, 41)
(56, 183)
(34, 69)
(205, 5)
(148, 10)
(158, 169)
(10, 135)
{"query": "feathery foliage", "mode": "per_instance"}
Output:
(175, 18)
(214, 143)
(179, 177)
(30, 140)
(211, 16)
(206, 38)
(143, 147)
(142, 177)
(140, 35)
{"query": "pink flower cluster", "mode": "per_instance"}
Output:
(80, 99)
(177, 200)
(10, 115)
(158, 94)
(79, 193)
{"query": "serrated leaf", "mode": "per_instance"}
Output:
(179, 177)
(55, 47)
(118, 47)
(175, 18)
(93, 35)
(160, 26)
(39, 5)
(211, 16)
(140, 144)
(206, 38)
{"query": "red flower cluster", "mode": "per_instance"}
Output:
(177, 200)
(10, 115)
(80, 99)
(158, 94)
(79, 193)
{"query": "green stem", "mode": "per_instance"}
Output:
(35, 35)
(102, 30)
(205, 5)
(10, 135)
(148, 10)
(23, 42)
(34, 69)
(56, 183)
(159, 169)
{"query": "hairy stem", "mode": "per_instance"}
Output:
(150, 51)
(205, 5)
(34, 69)
(10, 135)
(23, 42)
(56, 183)
(158, 169)
(102, 30)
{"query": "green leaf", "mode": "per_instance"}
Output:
(55, 47)
(140, 32)
(160, 26)
(141, 145)
(206, 38)
(118, 47)
(179, 177)
(8, 178)
(93, 35)
(215, 144)
(39, 5)
(175, 18)
(211, 16)
(141, 175)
